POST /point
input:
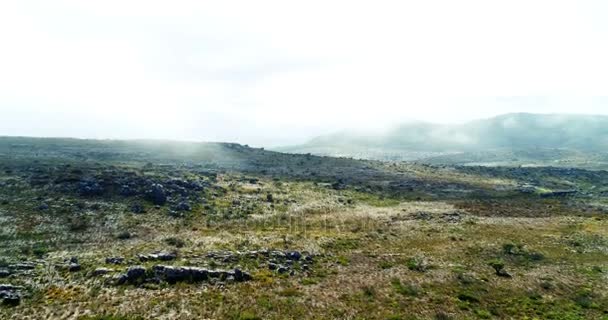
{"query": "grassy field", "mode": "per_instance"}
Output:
(320, 237)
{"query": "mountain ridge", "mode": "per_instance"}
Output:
(507, 132)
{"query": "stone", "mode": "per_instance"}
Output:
(4, 273)
(127, 191)
(293, 255)
(90, 187)
(10, 295)
(503, 273)
(158, 256)
(137, 208)
(23, 266)
(241, 276)
(135, 273)
(101, 271)
(183, 206)
(74, 267)
(115, 260)
(157, 194)
(181, 274)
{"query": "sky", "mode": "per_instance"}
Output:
(269, 73)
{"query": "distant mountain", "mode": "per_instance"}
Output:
(509, 134)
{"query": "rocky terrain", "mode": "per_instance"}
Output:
(173, 230)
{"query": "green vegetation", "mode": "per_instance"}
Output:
(337, 238)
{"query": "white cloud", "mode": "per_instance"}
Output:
(274, 72)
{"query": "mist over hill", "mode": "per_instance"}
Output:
(518, 136)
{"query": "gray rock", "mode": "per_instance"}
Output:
(241, 276)
(10, 294)
(4, 273)
(183, 206)
(74, 267)
(90, 187)
(158, 256)
(23, 266)
(181, 274)
(135, 273)
(157, 194)
(137, 208)
(115, 260)
(101, 271)
(293, 255)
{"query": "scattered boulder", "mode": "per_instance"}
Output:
(89, 188)
(115, 260)
(241, 276)
(101, 271)
(421, 215)
(452, 217)
(499, 268)
(175, 274)
(127, 191)
(158, 256)
(135, 274)
(339, 185)
(23, 266)
(74, 267)
(183, 206)
(137, 208)
(293, 255)
(4, 273)
(10, 295)
(157, 194)
(558, 193)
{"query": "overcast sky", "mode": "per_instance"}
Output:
(279, 72)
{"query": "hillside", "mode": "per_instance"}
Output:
(520, 137)
(172, 230)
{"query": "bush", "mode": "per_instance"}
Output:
(419, 264)
(124, 235)
(176, 242)
(79, 223)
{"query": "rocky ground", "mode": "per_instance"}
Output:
(151, 230)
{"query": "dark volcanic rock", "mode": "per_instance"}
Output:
(137, 208)
(157, 194)
(183, 206)
(559, 193)
(128, 191)
(101, 271)
(74, 267)
(90, 187)
(181, 274)
(135, 273)
(23, 266)
(10, 295)
(241, 276)
(293, 255)
(115, 260)
(158, 256)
